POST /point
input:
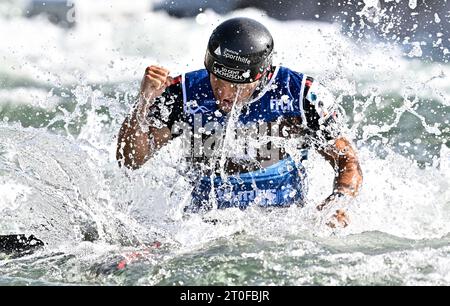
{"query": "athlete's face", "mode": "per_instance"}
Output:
(228, 93)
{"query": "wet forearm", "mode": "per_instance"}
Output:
(343, 158)
(133, 142)
(137, 140)
(348, 175)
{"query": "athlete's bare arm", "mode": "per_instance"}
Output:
(348, 180)
(137, 141)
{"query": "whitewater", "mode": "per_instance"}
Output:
(65, 92)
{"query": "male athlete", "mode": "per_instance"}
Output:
(241, 117)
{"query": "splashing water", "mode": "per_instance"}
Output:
(59, 179)
(231, 126)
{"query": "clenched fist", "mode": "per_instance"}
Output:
(155, 81)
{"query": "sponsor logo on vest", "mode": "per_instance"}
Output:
(209, 102)
(262, 196)
(284, 104)
(192, 107)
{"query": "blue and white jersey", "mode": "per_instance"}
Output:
(282, 96)
(290, 99)
(287, 95)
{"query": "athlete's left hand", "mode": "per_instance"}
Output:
(340, 218)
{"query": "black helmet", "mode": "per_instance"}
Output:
(239, 51)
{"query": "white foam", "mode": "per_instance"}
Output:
(35, 97)
(114, 46)
(12, 195)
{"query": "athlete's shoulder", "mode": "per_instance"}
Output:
(292, 78)
(314, 93)
(175, 85)
(198, 74)
(285, 72)
(191, 75)
(288, 71)
(320, 97)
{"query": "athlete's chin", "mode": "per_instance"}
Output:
(226, 106)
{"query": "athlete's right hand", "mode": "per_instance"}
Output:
(155, 81)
